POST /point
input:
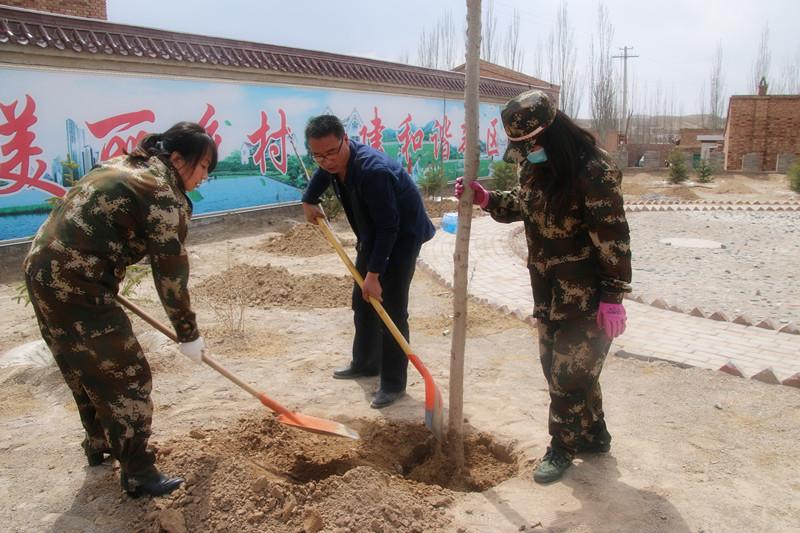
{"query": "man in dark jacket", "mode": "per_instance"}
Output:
(385, 210)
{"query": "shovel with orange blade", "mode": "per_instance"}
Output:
(285, 416)
(433, 397)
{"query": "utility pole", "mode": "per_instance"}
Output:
(624, 118)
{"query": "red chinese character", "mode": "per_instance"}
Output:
(118, 145)
(491, 139)
(16, 168)
(441, 139)
(409, 139)
(373, 137)
(210, 124)
(274, 144)
(463, 146)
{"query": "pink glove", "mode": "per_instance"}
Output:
(611, 318)
(480, 195)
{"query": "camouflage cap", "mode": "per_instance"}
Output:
(525, 117)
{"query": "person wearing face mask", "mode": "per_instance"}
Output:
(570, 200)
(124, 209)
(385, 210)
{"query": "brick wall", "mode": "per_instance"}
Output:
(93, 9)
(765, 125)
(688, 136)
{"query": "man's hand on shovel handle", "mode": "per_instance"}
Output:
(312, 212)
(372, 287)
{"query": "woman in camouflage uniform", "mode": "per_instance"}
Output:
(124, 209)
(570, 201)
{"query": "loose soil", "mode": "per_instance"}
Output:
(303, 240)
(674, 466)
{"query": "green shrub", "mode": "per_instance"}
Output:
(504, 175)
(677, 167)
(705, 171)
(433, 180)
(794, 177)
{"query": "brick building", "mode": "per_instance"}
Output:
(762, 133)
(93, 9)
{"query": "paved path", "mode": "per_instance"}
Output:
(499, 277)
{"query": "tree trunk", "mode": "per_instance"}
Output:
(461, 253)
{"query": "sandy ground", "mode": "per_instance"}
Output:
(693, 450)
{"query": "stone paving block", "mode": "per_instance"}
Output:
(697, 312)
(767, 324)
(743, 320)
(790, 328)
(719, 316)
(793, 381)
(659, 303)
(732, 369)
(767, 376)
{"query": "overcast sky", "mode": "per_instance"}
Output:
(675, 40)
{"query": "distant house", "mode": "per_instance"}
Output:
(762, 133)
(497, 72)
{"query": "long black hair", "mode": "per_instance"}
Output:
(568, 147)
(189, 139)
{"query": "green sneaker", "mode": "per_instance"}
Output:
(554, 463)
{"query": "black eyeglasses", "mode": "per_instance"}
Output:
(329, 155)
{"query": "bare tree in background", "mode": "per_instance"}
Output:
(489, 36)
(789, 82)
(437, 47)
(537, 70)
(716, 86)
(513, 54)
(404, 57)
(603, 95)
(562, 53)
(702, 102)
(760, 68)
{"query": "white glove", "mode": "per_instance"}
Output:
(194, 350)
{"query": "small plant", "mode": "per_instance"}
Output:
(433, 180)
(134, 275)
(677, 167)
(505, 176)
(705, 171)
(22, 294)
(231, 306)
(794, 177)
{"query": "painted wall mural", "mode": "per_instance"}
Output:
(56, 125)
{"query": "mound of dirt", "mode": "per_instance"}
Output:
(268, 286)
(437, 209)
(303, 240)
(482, 320)
(282, 479)
(680, 191)
(733, 187)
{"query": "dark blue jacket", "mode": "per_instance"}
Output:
(381, 201)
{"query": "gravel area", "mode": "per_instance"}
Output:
(754, 272)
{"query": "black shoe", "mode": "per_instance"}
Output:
(349, 372)
(384, 399)
(97, 458)
(600, 442)
(156, 484)
(554, 463)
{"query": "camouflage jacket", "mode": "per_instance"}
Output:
(110, 219)
(581, 259)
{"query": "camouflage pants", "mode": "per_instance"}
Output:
(105, 368)
(572, 354)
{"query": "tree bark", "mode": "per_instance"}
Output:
(461, 253)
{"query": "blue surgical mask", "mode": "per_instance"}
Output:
(537, 157)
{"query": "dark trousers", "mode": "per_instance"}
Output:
(106, 371)
(572, 353)
(374, 348)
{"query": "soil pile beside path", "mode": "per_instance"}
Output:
(283, 479)
(269, 286)
(303, 240)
